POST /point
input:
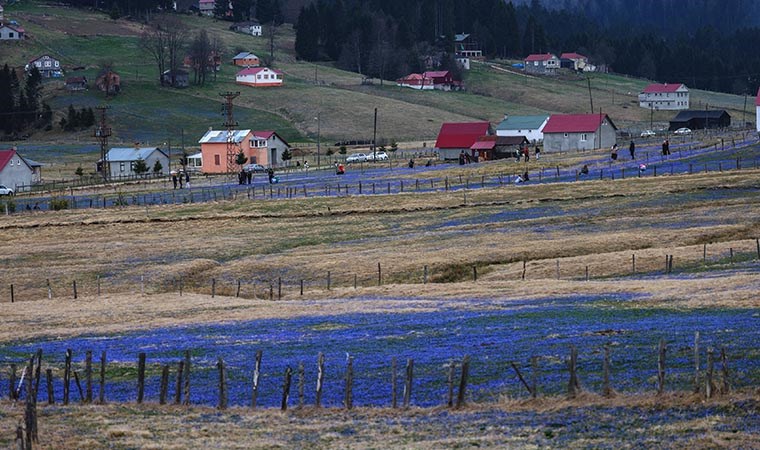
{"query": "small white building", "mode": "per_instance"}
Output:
(259, 77)
(122, 160)
(11, 32)
(15, 172)
(252, 28)
(665, 96)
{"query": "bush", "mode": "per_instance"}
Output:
(57, 204)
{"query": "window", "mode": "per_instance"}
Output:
(584, 137)
(121, 167)
(565, 134)
(217, 160)
(47, 63)
(10, 34)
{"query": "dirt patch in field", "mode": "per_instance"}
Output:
(84, 26)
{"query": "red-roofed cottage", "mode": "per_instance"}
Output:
(259, 77)
(665, 96)
(543, 64)
(441, 80)
(579, 132)
(455, 138)
(15, 171)
(415, 81)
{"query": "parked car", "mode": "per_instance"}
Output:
(377, 156)
(5, 190)
(648, 134)
(356, 157)
(682, 131)
(255, 168)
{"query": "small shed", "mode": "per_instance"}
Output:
(76, 83)
(176, 78)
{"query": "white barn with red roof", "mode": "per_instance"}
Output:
(673, 96)
(579, 132)
(15, 171)
(455, 138)
(259, 77)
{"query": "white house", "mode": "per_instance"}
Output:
(665, 96)
(47, 65)
(206, 7)
(253, 28)
(122, 160)
(11, 32)
(15, 171)
(532, 127)
(272, 144)
(259, 77)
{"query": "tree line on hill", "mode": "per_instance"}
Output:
(666, 40)
(20, 105)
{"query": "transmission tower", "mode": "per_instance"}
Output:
(230, 124)
(101, 133)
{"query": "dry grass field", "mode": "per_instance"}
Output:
(140, 253)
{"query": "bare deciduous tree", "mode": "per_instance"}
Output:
(165, 42)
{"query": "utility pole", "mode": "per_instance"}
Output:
(744, 113)
(230, 124)
(651, 115)
(590, 98)
(319, 132)
(102, 132)
(374, 137)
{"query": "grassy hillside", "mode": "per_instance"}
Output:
(147, 112)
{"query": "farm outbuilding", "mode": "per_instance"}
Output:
(700, 120)
(579, 132)
(455, 138)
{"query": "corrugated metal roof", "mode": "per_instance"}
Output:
(575, 123)
(220, 136)
(662, 88)
(522, 122)
(461, 135)
(245, 55)
(130, 153)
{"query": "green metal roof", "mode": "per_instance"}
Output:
(522, 122)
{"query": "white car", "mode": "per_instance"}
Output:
(648, 133)
(356, 157)
(377, 156)
(5, 190)
(682, 131)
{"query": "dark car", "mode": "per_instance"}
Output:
(255, 168)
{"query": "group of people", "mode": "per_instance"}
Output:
(631, 150)
(524, 153)
(179, 177)
(245, 177)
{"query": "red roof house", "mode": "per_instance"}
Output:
(544, 63)
(259, 77)
(457, 137)
(15, 171)
(669, 96)
(579, 132)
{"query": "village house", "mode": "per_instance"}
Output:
(15, 171)
(206, 7)
(259, 77)
(456, 138)
(194, 162)
(665, 96)
(260, 147)
(700, 120)
(574, 61)
(48, 66)
(415, 81)
(466, 49)
(10, 32)
(109, 82)
(531, 127)
(441, 80)
(177, 78)
(246, 59)
(76, 83)
(542, 64)
(122, 160)
(251, 27)
(579, 132)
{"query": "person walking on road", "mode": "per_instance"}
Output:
(632, 150)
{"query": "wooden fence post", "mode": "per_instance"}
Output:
(88, 375)
(49, 380)
(450, 382)
(586, 273)
(302, 287)
(408, 382)
(74, 284)
(237, 292)
(328, 280)
(661, 367)
(320, 378)
(256, 379)
(213, 287)
(186, 400)
(11, 292)
(142, 284)
(379, 275)
(573, 386)
(67, 377)
(724, 371)
(696, 362)
(709, 385)
(286, 389)
(222, 404)
(30, 413)
(474, 273)
(279, 288)
(633, 264)
(301, 384)
(164, 385)
(558, 273)
(394, 383)
(50, 289)
(348, 400)
(606, 369)
(178, 386)
(425, 274)
(463, 381)
(524, 269)
(704, 253)
(140, 377)
(12, 383)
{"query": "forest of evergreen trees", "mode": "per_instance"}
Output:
(696, 42)
(20, 106)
